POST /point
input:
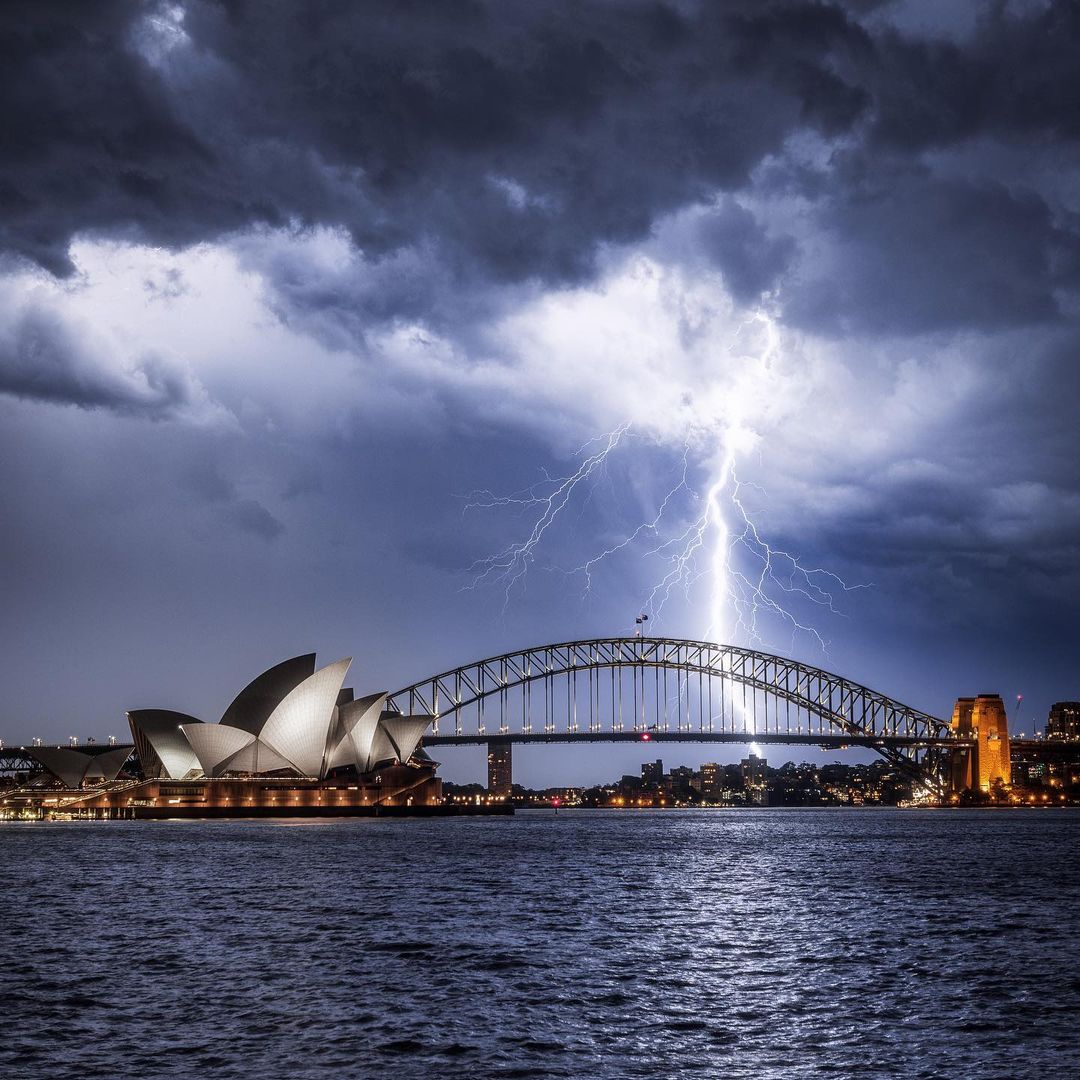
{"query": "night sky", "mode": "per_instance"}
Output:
(287, 290)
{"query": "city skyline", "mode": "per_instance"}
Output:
(632, 694)
(297, 374)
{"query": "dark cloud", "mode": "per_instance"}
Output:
(1014, 78)
(913, 252)
(207, 480)
(475, 142)
(511, 138)
(251, 516)
(750, 259)
(93, 141)
(972, 517)
(43, 359)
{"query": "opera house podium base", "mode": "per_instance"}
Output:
(399, 790)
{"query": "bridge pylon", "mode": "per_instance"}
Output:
(984, 762)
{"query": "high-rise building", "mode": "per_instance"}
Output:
(1064, 720)
(753, 770)
(680, 781)
(500, 769)
(712, 781)
(755, 777)
(652, 773)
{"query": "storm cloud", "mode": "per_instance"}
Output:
(280, 285)
(402, 122)
(482, 145)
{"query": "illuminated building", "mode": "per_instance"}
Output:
(1047, 765)
(652, 774)
(753, 770)
(290, 719)
(712, 781)
(680, 782)
(1064, 720)
(500, 762)
(410, 787)
(988, 762)
(293, 738)
(75, 769)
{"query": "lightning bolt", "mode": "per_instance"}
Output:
(693, 535)
(546, 500)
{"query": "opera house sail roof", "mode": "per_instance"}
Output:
(162, 746)
(251, 708)
(74, 767)
(291, 718)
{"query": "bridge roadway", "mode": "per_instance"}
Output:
(762, 738)
(20, 759)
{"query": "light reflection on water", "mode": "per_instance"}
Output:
(646, 944)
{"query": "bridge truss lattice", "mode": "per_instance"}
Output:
(606, 688)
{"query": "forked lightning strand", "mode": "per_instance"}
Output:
(749, 579)
(693, 537)
(546, 500)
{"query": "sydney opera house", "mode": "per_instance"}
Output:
(291, 719)
(294, 740)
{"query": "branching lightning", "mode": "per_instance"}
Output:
(546, 500)
(706, 536)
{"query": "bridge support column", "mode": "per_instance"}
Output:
(987, 763)
(961, 770)
(500, 766)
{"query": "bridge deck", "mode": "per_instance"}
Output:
(646, 737)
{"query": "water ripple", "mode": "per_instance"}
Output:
(743, 944)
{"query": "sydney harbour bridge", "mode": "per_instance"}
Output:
(624, 689)
(643, 689)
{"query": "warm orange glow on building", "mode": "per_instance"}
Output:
(988, 762)
(394, 787)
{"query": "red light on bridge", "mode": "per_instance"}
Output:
(645, 737)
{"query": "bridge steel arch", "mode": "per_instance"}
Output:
(604, 689)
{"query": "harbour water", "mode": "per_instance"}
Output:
(590, 944)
